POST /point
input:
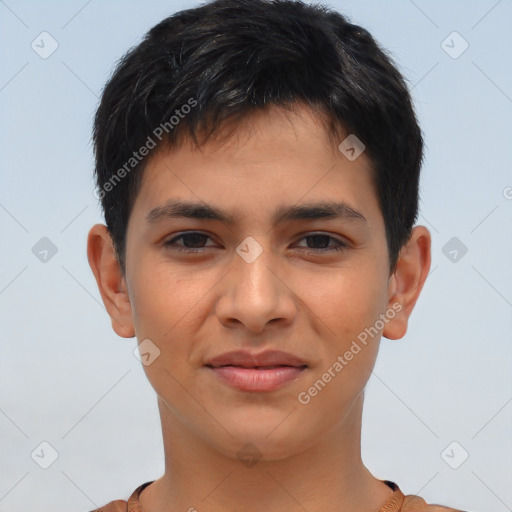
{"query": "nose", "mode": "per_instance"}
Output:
(256, 292)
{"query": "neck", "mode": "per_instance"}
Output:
(327, 476)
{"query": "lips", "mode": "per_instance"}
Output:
(267, 359)
(263, 372)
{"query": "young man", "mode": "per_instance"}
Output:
(258, 165)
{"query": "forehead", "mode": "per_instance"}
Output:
(273, 157)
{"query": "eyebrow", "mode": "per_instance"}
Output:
(175, 208)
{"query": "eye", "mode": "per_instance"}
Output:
(193, 238)
(322, 239)
(193, 242)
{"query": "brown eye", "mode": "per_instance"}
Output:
(320, 243)
(193, 242)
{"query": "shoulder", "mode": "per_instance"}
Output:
(416, 504)
(132, 504)
(113, 506)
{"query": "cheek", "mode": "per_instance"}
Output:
(164, 302)
(346, 300)
(164, 297)
(349, 351)
(348, 303)
(170, 309)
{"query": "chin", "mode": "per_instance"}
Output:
(260, 436)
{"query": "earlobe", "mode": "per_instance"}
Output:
(110, 280)
(407, 281)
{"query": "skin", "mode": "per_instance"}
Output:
(312, 304)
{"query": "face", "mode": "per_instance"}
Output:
(304, 283)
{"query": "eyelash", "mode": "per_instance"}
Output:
(171, 243)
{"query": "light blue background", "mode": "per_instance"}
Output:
(66, 378)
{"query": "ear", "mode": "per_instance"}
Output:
(407, 281)
(110, 280)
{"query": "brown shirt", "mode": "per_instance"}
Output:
(397, 502)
